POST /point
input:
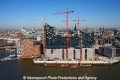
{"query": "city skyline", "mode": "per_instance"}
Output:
(14, 13)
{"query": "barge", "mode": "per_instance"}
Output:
(72, 63)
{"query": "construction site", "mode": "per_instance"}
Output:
(61, 45)
(74, 47)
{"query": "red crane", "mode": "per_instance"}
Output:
(66, 27)
(78, 23)
(80, 36)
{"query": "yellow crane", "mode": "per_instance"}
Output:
(43, 34)
(44, 37)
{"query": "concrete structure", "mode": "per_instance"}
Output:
(107, 51)
(73, 53)
(75, 63)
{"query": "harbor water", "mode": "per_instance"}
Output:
(21, 68)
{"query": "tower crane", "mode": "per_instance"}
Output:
(67, 12)
(80, 36)
(44, 36)
(78, 23)
(33, 30)
(43, 33)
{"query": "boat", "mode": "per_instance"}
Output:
(19, 56)
(13, 56)
(74, 65)
(12, 50)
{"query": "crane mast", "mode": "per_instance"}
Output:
(80, 36)
(44, 36)
(67, 12)
(43, 33)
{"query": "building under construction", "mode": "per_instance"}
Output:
(58, 41)
(56, 45)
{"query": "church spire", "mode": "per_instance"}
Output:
(75, 29)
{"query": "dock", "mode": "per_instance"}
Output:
(75, 62)
(8, 59)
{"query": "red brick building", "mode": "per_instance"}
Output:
(29, 49)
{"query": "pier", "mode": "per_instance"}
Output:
(8, 59)
(75, 62)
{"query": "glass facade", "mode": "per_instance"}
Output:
(58, 42)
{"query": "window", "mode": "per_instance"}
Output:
(51, 51)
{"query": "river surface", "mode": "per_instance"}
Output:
(23, 69)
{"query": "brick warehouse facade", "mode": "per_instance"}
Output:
(29, 49)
